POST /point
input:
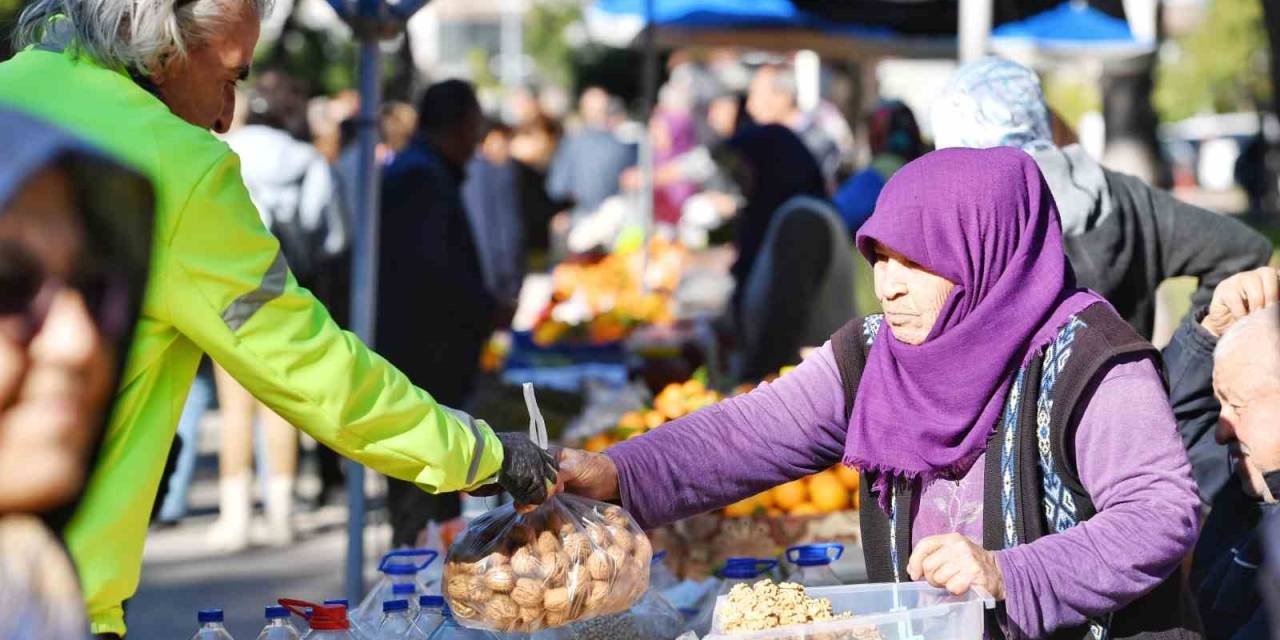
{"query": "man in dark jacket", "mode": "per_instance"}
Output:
(1123, 237)
(1229, 353)
(434, 310)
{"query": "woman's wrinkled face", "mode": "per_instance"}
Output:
(55, 369)
(910, 296)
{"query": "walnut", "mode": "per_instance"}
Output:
(458, 586)
(599, 566)
(577, 546)
(500, 579)
(598, 535)
(621, 561)
(556, 600)
(529, 617)
(525, 563)
(556, 618)
(644, 550)
(548, 542)
(464, 611)
(527, 593)
(501, 609)
(567, 529)
(597, 594)
(554, 566)
(622, 539)
(616, 516)
(477, 592)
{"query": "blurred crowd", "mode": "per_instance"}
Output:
(473, 198)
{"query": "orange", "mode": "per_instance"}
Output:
(774, 512)
(827, 493)
(597, 443)
(741, 508)
(653, 419)
(632, 420)
(669, 406)
(848, 476)
(765, 498)
(788, 495)
(693, 388)
(804, 509)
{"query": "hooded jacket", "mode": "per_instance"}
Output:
(219, 284)
(1123, 236)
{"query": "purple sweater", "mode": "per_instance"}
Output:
(1132, 463)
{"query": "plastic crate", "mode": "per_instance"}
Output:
(899, 611)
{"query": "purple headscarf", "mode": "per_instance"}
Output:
(669, 199)
(985, 220)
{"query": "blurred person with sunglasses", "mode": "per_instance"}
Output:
(75, 234)
(153, 95)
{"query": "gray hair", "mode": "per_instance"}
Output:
(138, 35)
(1258, 335)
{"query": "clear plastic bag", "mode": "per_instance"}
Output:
(568, 559)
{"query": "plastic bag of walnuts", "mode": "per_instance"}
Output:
(569, 559)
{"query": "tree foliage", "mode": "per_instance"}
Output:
(1219, 67)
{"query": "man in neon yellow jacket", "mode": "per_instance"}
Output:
(147, 80)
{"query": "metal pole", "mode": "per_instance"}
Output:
(512, 45)
(974, 29)
(649, 91)
(364, 270)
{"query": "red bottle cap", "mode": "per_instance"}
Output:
(324, 617)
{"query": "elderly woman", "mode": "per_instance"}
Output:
(1014, 431)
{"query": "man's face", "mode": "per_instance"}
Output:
(1249, 422)
(765, 103)
(201, 88)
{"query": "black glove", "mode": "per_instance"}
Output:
(527, 469)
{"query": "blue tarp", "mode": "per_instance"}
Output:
(719, 14)
(1069, 24)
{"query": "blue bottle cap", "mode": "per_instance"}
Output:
(276, 611)
(399, 569)
(342, 601)
(446, 612)
(815, 555)
(435, 602)
(403, 588)
(209, 615)
(395, 605)
(747, 568)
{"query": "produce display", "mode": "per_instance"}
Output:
(569, 559)
(766, 605)
(830, 491)
(604, 301)
(676, 400)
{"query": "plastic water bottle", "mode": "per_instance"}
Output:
(279, 627)
(328, 621)
(211, 626)
(408, 592)
(430, 614)
(403, 566)
(397, 624)
(449, 629)
(736, 571)
(813, 564)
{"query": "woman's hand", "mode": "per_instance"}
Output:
(592, 475)
(1240, 295)
(953, 562)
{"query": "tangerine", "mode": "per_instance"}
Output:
(788, 496)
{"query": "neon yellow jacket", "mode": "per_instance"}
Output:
(219, 284)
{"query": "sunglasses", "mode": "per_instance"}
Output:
(27, 292)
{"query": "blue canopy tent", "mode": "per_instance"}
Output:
(1071, 30)
(761, 24)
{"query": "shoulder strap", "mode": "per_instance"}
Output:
(850, 346)
(1107, 338)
